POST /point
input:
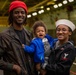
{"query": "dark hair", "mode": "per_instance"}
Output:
(70, 29)
(10, 18)
(37, 24)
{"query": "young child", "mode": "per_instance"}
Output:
(40, 45)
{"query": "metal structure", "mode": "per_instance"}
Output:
(33, 5)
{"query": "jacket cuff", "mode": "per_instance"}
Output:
(10, 66)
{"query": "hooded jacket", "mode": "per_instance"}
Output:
(37, 47)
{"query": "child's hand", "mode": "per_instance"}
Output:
(43, 72)
(38, 66)
(23, 45)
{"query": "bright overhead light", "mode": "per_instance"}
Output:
(70, 0)
(28, 16)
(55, 0)
(60, 4)
(55, 6)
(65, 2)
(48, 8)
(34, 14)
(41, 11)
(42, 7)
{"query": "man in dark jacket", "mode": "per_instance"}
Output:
(14, 60)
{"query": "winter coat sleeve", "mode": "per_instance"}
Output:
(4, 65)
(51, 40)
(30, 48)
(36, 47)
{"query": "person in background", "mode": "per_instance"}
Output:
(40, 45)
(63, 53)
(14, 60)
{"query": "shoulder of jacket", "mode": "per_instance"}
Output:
(71, 43)
(28, 32)
(36, 39)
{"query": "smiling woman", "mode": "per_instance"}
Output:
(64, 29)
(63, 51)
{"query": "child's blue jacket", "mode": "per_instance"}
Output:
(37, 47)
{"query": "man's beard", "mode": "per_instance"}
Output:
(18, 23)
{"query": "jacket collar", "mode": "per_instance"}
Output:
(14, 35)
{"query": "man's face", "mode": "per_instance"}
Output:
(19, 16)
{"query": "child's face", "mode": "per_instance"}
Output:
(40, 32)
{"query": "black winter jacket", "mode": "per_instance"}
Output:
(11, 52)
(61, 59)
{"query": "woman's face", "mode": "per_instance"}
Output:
(40, 32)
(63, 33)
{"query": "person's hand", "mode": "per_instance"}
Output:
(43, 72)
(43, 65)
(23, 45)
(38, 66)
(17, 69)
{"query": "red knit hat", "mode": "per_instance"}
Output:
(16, 4)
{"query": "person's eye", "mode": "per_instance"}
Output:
(58, 30)
(23, 12)
(64, 30)
(16, 12)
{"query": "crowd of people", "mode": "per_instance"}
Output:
(37, 53)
